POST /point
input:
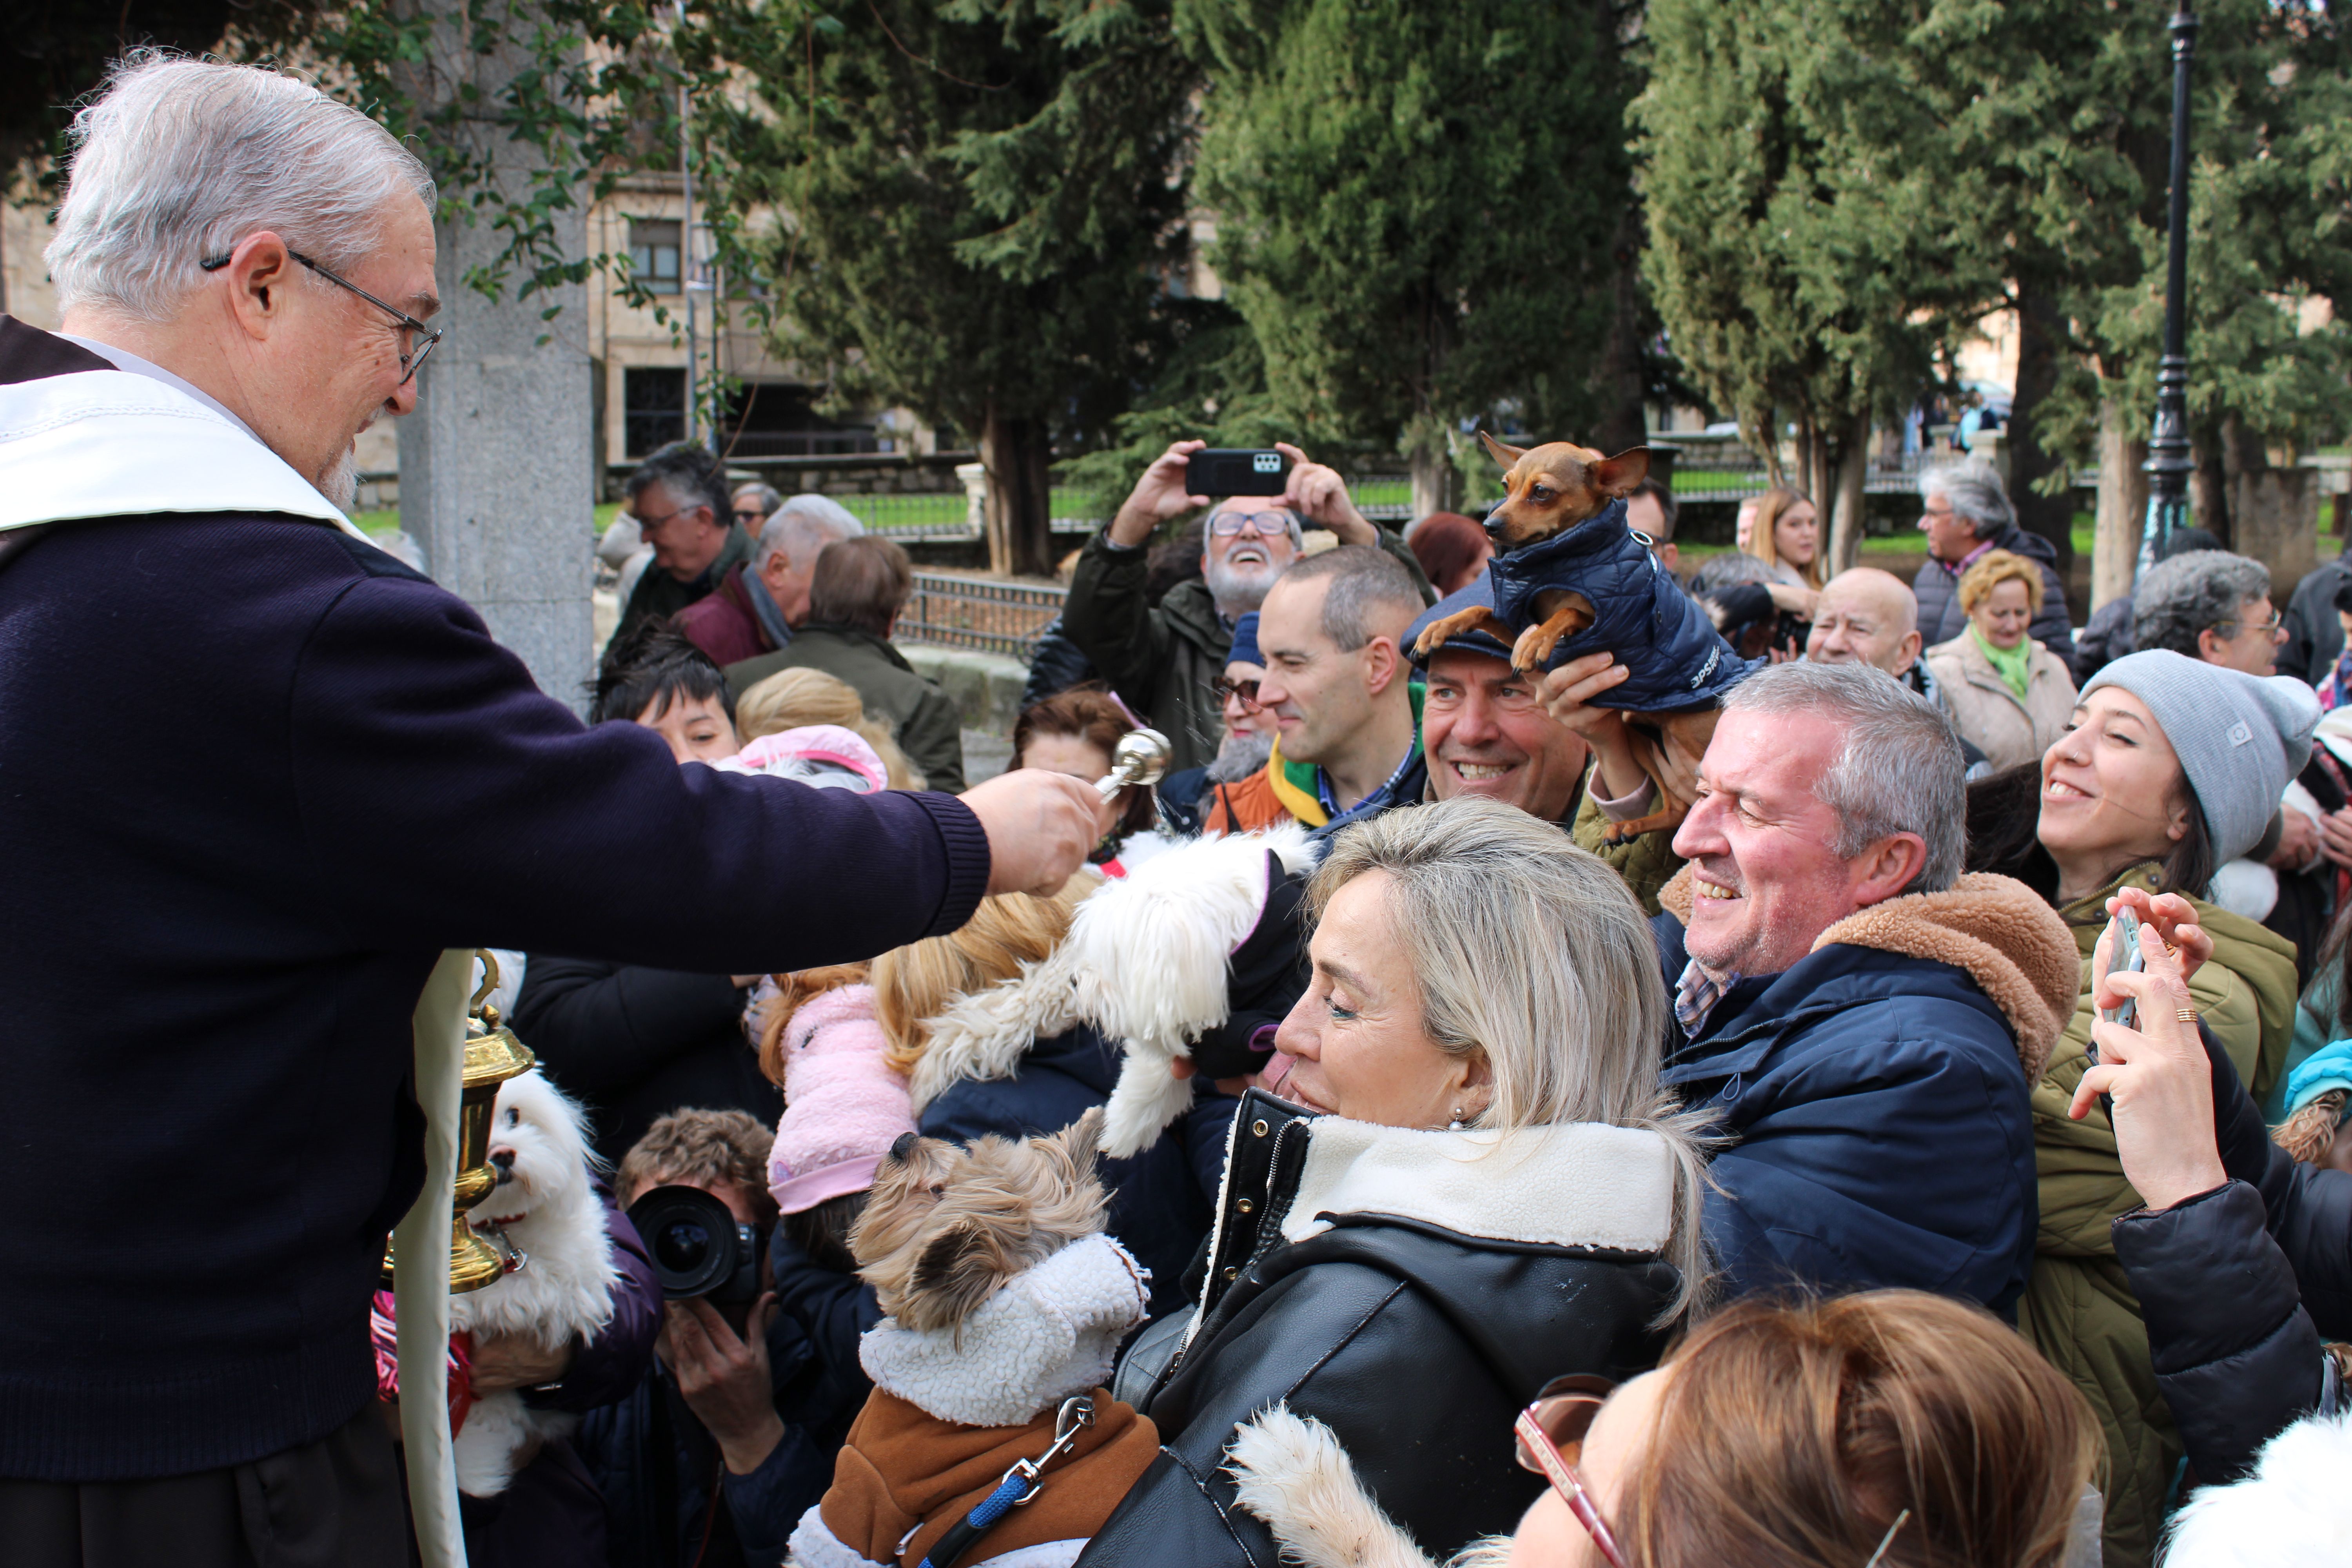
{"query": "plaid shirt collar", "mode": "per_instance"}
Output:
(1696, 995)
(1330, 803)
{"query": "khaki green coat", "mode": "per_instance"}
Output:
(2078, 1309)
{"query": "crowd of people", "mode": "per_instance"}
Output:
(1837, 1024)
(1423, 1126)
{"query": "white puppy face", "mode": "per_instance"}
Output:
(538, 1147)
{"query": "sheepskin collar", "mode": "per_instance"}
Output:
(1047, 1333)
(2012, 943)
(1146, 963)
(1576, 1185)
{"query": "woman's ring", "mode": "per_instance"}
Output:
(2186, 1015)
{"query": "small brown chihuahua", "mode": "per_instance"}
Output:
(1551, 489)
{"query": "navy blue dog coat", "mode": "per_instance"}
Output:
(1659, 632)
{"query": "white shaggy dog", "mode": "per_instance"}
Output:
(1145, 962)
(548, 1211)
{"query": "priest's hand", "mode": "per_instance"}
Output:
(1040, 825)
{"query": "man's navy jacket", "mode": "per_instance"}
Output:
(1881, 1126)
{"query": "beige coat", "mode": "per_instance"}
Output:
(1986, 712)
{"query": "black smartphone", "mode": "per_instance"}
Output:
(1218, 472)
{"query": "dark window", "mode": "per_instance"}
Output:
(653, 253)
(653, 409)
(778, 419)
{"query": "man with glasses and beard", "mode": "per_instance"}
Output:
(1164, 660)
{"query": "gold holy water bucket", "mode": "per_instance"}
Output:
(493, 1055)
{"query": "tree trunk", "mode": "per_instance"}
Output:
(1433, 474)
(2040, 332)
(1846, 519)
(2123, 508)
(2273, 512)
(1018, 455)
(1617, 380)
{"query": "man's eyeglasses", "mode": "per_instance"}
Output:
(1268, 525)
(1551, 1439)
(2231, 628)
(1242, 692)
(751, 518)
(409, 360)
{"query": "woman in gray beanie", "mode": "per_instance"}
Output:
(2173, 767)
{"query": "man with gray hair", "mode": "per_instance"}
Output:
(2210, 606)
(1862, 1024)
(1965, 513)
(1164, 661)
(236, 934)
(680, 497)
(756, 606)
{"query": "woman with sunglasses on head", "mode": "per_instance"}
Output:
(1885, 1429)
(1481, 1185)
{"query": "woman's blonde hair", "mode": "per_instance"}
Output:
(793, 698)
(1769, 508)
(1802, 1434)
(1991, 572)
(1529, 951)
(914, 983)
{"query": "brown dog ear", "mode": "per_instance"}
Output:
(957, 1270)
(1507, 456)
(1617, 476)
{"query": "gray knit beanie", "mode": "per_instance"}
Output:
(2241, 737)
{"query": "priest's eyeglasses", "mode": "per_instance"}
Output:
(409, 360)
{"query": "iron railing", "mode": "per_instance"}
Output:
(975, 613)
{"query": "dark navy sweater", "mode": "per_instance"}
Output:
(254, 776)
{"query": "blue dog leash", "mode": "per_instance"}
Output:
(1020, 1484)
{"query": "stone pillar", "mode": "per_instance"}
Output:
(497, 463)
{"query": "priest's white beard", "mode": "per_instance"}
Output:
(341, 483)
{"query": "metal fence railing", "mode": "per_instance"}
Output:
(973, 612)
(945, 515)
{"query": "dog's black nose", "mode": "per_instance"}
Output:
(903, 1149)
(503, 1159)
(1493, 523)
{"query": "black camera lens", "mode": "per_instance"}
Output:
(682, 1247)
(697, 1246)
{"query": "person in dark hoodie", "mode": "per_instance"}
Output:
(1965, 513)
(226, 924)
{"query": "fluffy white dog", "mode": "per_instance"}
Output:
(547, 1210)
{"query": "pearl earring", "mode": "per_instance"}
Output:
(1457, 1124)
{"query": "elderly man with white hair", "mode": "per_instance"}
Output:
(1965, 511)
(262, 790)
(757, 606)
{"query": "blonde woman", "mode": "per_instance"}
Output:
(1785, 535)
(791, 698)
(2007, 695)
(1487, 1189)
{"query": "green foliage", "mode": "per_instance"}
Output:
(1814, 243)
(1420, 207)
(981, 197)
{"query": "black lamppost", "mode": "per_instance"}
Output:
(2169, 463)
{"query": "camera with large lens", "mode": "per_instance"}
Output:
(698, 1246)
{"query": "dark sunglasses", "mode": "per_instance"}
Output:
(426, 337)
(1550, 1435)
(1242, 692)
